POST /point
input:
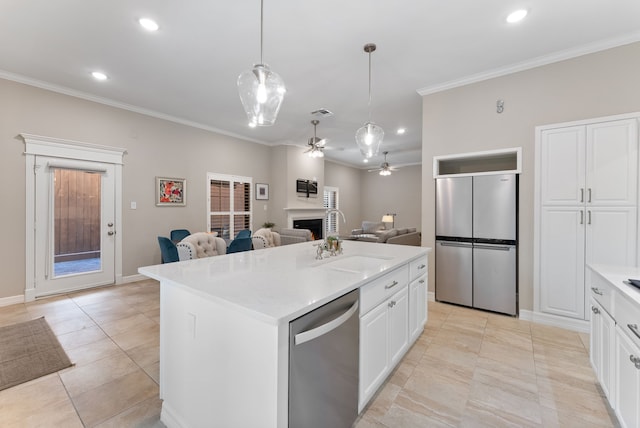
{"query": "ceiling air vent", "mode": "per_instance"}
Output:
(322, 112)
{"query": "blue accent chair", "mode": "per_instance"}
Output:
(168, 250)
(242, 242)
(178, 235)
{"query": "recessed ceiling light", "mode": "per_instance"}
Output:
(252, 124)
(365, 160)
(516, 16)
(401, 131)
(99, 75)
(148, 24)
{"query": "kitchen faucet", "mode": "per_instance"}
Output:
(335, 210)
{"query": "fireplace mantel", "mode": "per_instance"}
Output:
(303, 213)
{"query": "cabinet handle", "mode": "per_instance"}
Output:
(421, 281)
(589, 192)
(589, 217)
(392, 304)
(422, 266)
(598, 292)
(393, 284)
(635, 360)
(595, 310)
(581, 217)
(581, 194)
(634, 329)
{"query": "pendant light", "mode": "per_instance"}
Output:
(370, 136)
(261, 90)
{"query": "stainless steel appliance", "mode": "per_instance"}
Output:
(476, 241)
(323, 365)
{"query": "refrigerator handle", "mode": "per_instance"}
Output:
(455, 244)
(582, 194)
(491, 247)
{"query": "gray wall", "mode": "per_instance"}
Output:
(397, 193)
(465, 120)
(154, 148)
(347, 180)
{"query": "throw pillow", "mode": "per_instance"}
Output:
(371, 226)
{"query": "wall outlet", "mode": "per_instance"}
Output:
(133, 205)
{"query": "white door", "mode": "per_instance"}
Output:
(561, 256)
(374, 346)
(74, 224)
(398, 325)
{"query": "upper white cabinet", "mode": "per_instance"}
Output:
(586, 207)
(590, 164)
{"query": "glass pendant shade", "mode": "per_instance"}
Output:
(369, 138)
(261, 92)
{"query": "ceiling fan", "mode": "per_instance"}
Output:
(385, 169)
(316, 145)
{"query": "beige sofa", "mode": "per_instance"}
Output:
(376, 232)
(267, 238)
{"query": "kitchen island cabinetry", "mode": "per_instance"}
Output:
(615, 339)
(224, 324)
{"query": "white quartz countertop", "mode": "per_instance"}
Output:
(616, 275)
(279, 284)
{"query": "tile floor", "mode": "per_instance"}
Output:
(468, 369)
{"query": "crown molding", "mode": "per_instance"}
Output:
(533, 63)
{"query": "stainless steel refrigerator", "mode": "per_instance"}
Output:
(476, 242)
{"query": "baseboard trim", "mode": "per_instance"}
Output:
(131, 278)
(581, 326)
(12, 300)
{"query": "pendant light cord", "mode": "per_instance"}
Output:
(261, 30)
(369, 86)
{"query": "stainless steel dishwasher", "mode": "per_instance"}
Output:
(323, 365)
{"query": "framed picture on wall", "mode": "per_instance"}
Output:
(171, 192)
(262, 191)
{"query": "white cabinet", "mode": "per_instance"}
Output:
(590, 164)
(602, 340)
(417, 306)
(374, 346)
(627, 400)
(587, 208)
(418, 270)
(561, 259)
(384, 339)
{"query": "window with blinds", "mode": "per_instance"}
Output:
(229, 205)
(331, 220)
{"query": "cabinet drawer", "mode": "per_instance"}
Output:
(418, 267)
(602, 292)
(628, 318)
(380, 289)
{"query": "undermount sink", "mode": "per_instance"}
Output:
(354, 264)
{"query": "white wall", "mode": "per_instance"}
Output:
(465, 120)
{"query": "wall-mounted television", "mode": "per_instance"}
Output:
(307, 187)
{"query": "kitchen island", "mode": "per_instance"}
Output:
(224, 324)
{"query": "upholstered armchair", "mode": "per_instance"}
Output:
(199, 245)
(265, 238)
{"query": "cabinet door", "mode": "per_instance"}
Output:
(611, 235)
(602, 348)
(562, 164)
(627, 382)
(417, 306)
(612, 158)
(374, 346)
(398, 306)
(562, 261)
